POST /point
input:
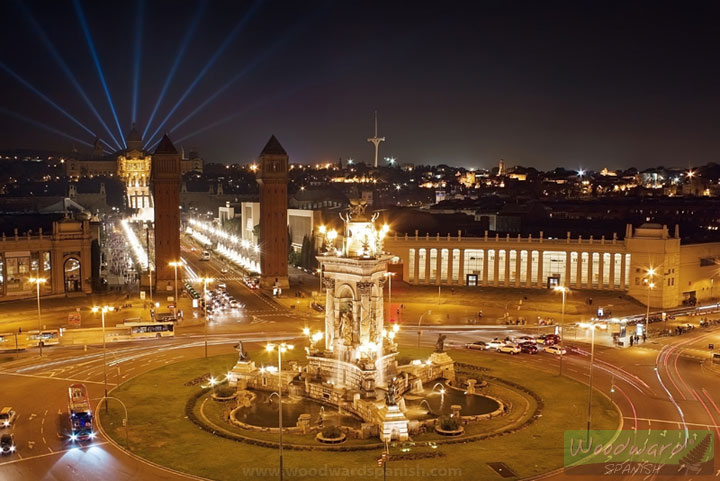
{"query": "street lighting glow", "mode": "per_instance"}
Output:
(306, 331)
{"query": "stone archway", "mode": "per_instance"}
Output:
(72, 275)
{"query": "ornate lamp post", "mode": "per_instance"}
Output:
(102, 311)
(37, 281)
(281, 348)
(564, 291)
(176, 264)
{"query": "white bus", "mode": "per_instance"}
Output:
(144, 330)
(46, 337)
(9, 341)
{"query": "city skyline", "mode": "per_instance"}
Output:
(539, 86)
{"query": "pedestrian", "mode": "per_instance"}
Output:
(644, 337)
(452, 291)
(631, 340)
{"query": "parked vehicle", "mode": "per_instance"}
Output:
(477, 345)
(555, 349)
(509, 348)
(549, 339)
(495, 343)
(529, 347)
(523, 339)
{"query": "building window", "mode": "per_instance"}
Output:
(554, 266)
(491, 265)
(617, 260)
(627, 269)
(584, 268)
(411, 265)
(534, 259)
(523, 266)
(474, 261)
(595, 269)
(444, 265)
(606, 269)
(421, 265)
(573, 268)
(501, 260)
(455, 265)
(433, 265)
(513, 266)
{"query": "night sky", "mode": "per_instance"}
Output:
(544, 84)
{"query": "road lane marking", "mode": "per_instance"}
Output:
(54, 378)
(668, 421)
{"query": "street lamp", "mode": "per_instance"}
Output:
(176, 264)
(564, 291)
(281, 348)
(592, 326)
(420, 322)
(102, 311)
(650, 286)
(37, 281)
(389, 275)
(205, 281)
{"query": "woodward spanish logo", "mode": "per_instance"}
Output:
(641, 453)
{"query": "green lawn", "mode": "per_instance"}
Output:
(160, 432)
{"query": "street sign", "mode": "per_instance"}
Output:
(74, 319)
(142, 295)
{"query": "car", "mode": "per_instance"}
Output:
(523, 339)
(495, 343)
(509, 348)
(549, 339)
(222, 286)
(7, 416)
(7, 443)
(529, 347)
(234, 304)
(479, 345)
(224, 269)
(556, 349)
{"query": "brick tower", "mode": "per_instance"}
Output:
(166, 192)
(273, 180)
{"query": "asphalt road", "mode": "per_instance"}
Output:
(664, 384)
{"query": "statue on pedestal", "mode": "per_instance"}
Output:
(440, 344)
(391, 393)
(242, 353)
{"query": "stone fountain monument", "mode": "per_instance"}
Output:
(355, 368)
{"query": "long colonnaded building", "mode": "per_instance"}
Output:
(648, 255)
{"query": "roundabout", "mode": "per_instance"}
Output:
(179, 424)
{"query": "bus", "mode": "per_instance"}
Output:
(9, 342)
(81, 418)
(144, 330)
(46, 337)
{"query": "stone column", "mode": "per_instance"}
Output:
(541, 279)
(528, 268)
(506, 282)
(601, 270)
(461, 268)
(566, 281)
(416, 271)
(623, 273)
(438, 264)
(611, 281)
(427, 266)
(578, 273)
(496, 268)
(485, 267)
(517, 268)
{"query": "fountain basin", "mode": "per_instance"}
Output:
(431, 402)
(263, 412)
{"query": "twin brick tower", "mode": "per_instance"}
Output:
(273, 180)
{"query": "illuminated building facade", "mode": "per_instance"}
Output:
(648, 254)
